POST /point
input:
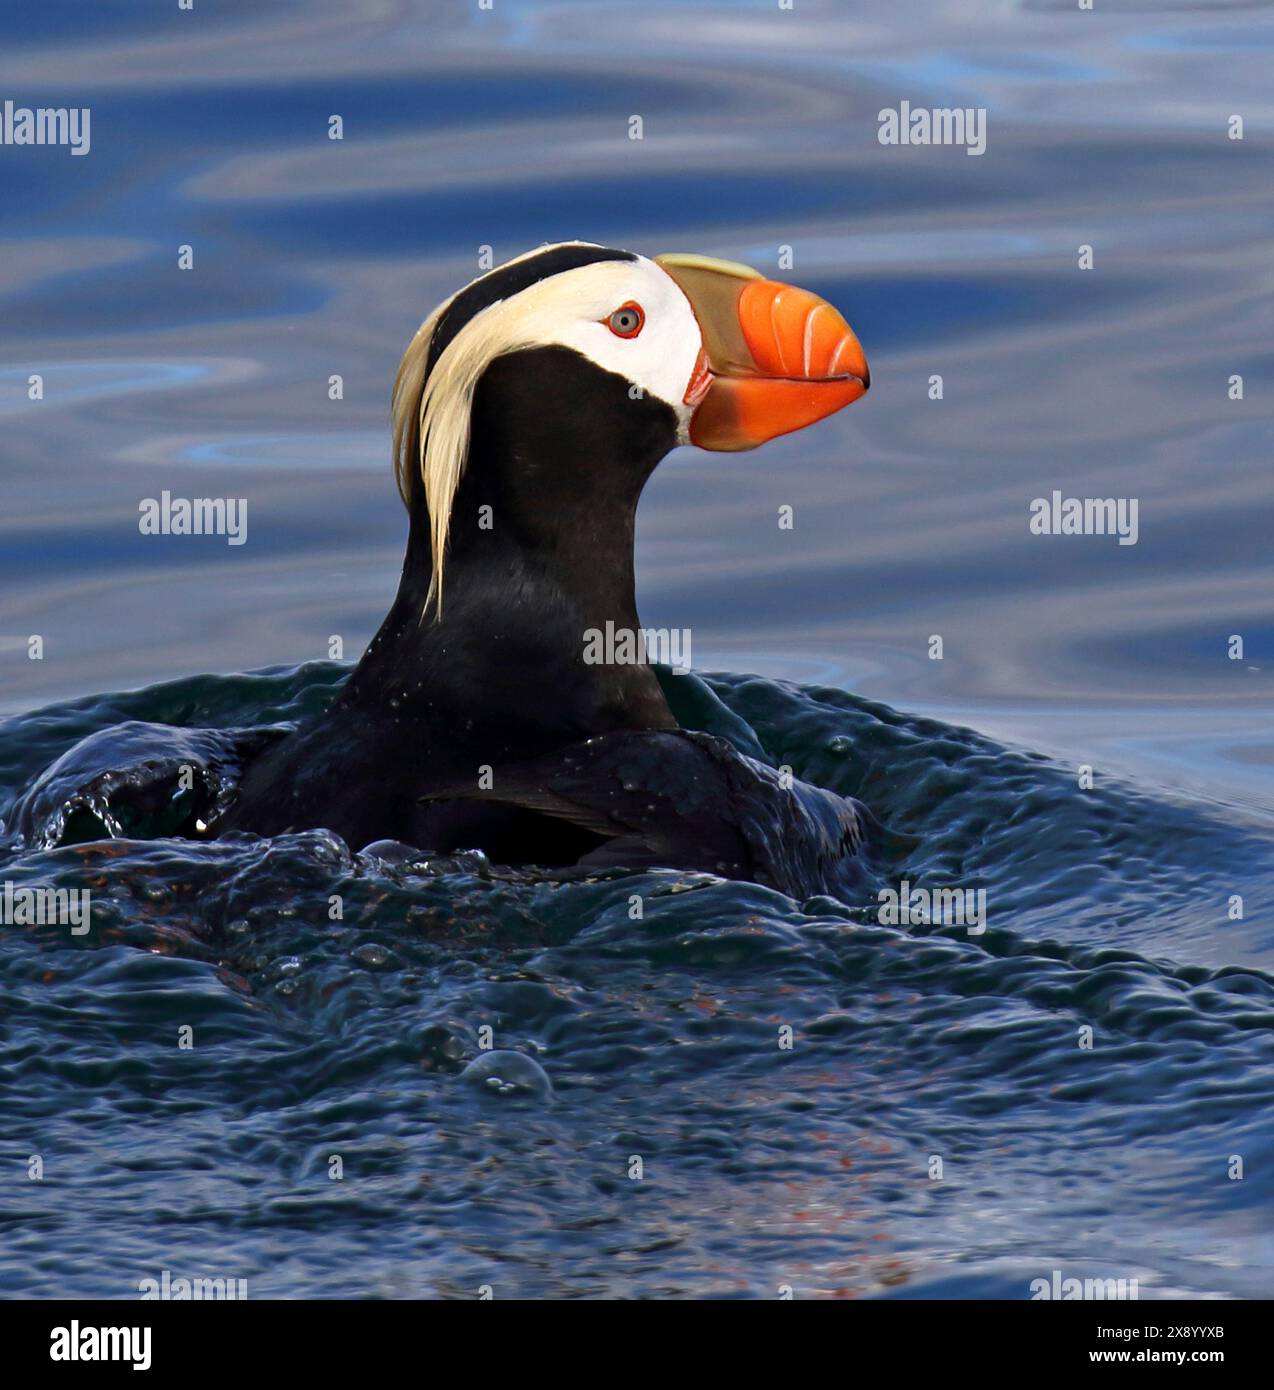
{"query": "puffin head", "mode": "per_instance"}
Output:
(540, 397)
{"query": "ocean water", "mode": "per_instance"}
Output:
(643, 1128)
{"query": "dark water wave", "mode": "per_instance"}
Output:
(655, 1038)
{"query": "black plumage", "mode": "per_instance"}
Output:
(482, 726)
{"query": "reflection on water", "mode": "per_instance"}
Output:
(467, 128)
(509, 127)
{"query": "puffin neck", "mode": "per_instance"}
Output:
(540, 553)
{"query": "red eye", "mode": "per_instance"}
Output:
(627, 320)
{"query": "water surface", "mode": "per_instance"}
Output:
(1109, 907)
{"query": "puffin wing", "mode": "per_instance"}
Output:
(651, 797)
(682, 800)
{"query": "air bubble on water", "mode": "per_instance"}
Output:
(329, 848)
(509, 1074)
(372, 954)
(842, 743)
(382, 854)
(440, 1047)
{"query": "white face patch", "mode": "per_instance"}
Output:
(571, 309)
(574, 310)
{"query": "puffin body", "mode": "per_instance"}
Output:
(529, 411)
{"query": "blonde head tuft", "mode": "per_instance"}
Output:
(431, 408)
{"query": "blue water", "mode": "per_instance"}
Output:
(1108, 908)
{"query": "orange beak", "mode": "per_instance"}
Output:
(774, 358)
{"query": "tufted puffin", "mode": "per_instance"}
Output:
(529, 410)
